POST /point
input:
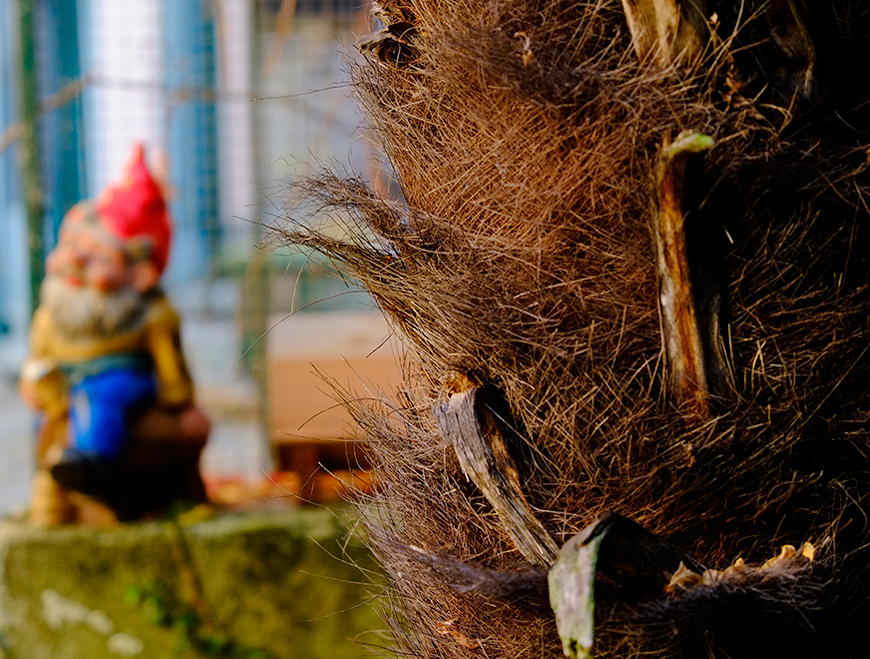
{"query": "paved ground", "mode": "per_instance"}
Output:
(16, 461)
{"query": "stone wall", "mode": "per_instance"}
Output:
(273, 585)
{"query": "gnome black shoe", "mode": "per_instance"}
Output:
(86, 473)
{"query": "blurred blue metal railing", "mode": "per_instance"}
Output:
(271, 117)
(189, 70)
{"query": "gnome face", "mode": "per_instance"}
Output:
(94, 287)
(88, 255)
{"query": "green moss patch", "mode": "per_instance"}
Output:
(254, 586)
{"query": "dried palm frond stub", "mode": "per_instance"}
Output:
(639, 233)
(394, 44)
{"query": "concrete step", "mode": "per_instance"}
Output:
(266, 585)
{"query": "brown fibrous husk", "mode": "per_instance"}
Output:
(523, 137)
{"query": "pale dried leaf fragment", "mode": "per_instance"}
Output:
(682, 580)
(789, 558)
(667, 30)
(785, 554)
(527, 56)
(449, 628)
(788, 554)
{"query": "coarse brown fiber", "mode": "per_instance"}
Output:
(523, 136)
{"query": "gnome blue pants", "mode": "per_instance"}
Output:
(101, 406)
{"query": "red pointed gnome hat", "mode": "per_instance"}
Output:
(134, 209)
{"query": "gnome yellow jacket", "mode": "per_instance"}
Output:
(156, 338)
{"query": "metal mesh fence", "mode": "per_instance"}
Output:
(229, 96)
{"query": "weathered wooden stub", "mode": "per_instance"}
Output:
(474, 432)
(639, 232)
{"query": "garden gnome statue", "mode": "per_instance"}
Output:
(106, 368)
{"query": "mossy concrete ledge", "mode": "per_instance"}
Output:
(275, 585)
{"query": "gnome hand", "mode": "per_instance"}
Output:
(41, 384)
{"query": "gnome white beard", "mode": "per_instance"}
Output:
(82, 312)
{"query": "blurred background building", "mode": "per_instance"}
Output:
(231, 97)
